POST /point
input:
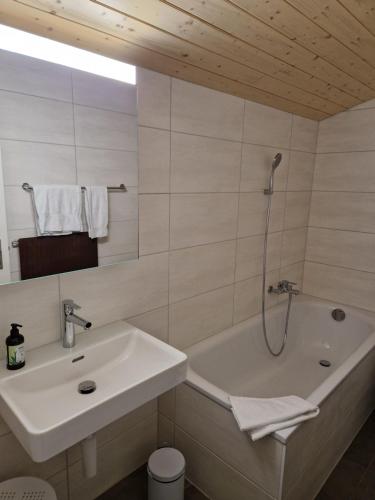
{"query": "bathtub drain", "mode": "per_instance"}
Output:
(325, 363)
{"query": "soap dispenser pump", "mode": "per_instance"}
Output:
(15, 348)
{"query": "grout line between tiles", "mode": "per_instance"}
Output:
(231, 283)
(72, 101)
(340, 267)
(309, 213)
(328, 228)
(67, 145)
(74, 131)
(238, 210)
(169, 214)
(237, 141)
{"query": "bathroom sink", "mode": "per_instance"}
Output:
(41, 402)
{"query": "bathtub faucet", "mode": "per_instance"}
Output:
(284, 286)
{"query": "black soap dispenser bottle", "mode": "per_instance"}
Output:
(15, 348)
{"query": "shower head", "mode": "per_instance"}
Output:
(276, 161)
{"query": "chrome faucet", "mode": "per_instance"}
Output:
(284, 286)
(69, 321)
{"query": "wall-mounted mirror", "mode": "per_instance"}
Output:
(65, 136)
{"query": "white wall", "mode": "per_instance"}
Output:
(340, 256)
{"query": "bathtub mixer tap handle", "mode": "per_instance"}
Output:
(284, 286)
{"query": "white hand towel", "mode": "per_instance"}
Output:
(96, 207)
(262, 416)
(57, 209)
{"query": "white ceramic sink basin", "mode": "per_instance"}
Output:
(42, 405)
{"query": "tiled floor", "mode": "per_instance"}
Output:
(134, 487)
(354, 476)
(352, 479)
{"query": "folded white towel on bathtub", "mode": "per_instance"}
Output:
(262, 416)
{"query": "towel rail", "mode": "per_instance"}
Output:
(26, 187)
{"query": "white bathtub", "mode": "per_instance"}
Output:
(236, 362)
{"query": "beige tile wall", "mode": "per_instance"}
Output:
(340, 263)
(203, 163)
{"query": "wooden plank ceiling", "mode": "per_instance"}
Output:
(314, 58)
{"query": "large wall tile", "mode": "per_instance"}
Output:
(59, 483)
(301, 171)
(213, 476)
(345, 171)
(154, 99)
(19, 205)
(249, 259)
(116, 428)
(165, 431)
(202, 218)
(294, 245)
(252, 213)
(154, 322)
(197, 318)
(122, 238)
(153, 223)
(117, 259)
(202, 111)
(199, 269)
(248, 296)
(123, 206)
(131, 288)
(297, 209)
(116, 459)
(341, 248)
(304, 134)
(14, 461)
(215, 428)
(167, 404)
(347, 286)
(100, 128)
(4, 429)
(267, 126)
(33, 76)
(24, 303)
(293, 272)
(14, 254)
(29, 118)
(256, 167)
(348, 131)
(351, 211)
(201, 164)
(105, 93)
(154, 160)
(37, 163)
(107, 167)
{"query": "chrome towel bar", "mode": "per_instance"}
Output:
(26, 187)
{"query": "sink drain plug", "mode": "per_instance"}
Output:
(87, 387)
(325, 363)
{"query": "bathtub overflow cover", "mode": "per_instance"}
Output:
(86, 387)
(325, 363)
(338, 315)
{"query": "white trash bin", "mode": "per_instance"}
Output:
(166, 475)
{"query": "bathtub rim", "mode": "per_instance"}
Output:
(319, 395)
